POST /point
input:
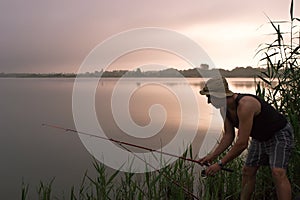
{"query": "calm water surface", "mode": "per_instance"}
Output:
(31, 152)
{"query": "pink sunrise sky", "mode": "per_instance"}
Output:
(56, 36)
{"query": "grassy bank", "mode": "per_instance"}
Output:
(181, 180)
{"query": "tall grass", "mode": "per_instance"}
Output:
(280, 83)
(174, 181)
(182, 180)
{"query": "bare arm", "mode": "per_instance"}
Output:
(247, 109)
(246, 112)
(225, 142)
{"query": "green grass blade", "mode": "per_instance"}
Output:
(292, 10)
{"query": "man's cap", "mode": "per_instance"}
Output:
(217, 87)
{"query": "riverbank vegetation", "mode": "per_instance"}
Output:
(245, 72)
(280, 83)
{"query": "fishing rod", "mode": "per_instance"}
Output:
(122, 145)
(166, 176)
(132, 145)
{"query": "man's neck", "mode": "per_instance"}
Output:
(231, 105)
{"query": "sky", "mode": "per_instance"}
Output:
(57, 35)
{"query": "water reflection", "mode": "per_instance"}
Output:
(151, 91)
(242, 85)
(39, 154)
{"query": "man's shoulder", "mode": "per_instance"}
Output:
(249, 103)
(247, 98)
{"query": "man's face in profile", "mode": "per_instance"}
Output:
(216, 101)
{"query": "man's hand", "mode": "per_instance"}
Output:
(213, 169)
(206, 160)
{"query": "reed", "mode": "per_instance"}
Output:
(223, 185)
(280, 84)
(180, 180)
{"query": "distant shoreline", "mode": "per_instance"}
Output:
(239, 72)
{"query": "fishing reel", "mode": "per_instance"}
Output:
(203, 173)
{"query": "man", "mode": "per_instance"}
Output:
(272, 136)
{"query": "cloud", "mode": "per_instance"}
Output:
(57, 35)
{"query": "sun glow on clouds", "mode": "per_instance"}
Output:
(149, 59)
(226, 42)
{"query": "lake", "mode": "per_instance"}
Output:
(34, 153)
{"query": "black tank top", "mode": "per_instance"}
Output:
(266, 123)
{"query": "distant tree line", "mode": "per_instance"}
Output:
(170, 72)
